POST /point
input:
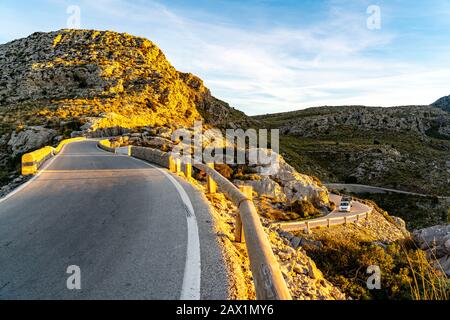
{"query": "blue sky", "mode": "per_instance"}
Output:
(265, 56)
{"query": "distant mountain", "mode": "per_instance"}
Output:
(400, 147)
(424, 120)
(443, 103)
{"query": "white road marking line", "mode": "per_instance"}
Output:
(192, 270)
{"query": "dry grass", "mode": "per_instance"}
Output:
(429, 280)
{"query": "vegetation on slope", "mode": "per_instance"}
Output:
(418, 212)
(408, 151)
(346, 252)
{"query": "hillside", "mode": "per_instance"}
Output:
(401, 147)
(406, 148)
(104, 83)
(443, 103)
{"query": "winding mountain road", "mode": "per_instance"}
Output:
(336, 217)
(134, 230)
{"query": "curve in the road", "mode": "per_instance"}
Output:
(121, 220)
(192, 270)
(358, 209)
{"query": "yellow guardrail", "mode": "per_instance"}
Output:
(33, 160)
(106, 145)
(268, 279)
(67, 141)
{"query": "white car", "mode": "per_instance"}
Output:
(345, 205)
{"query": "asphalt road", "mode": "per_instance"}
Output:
(357, 208)
(121, 221)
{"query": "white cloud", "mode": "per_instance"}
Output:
(279, 68)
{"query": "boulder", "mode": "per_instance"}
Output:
(432, 237)
(29, 139)
(401, 224)
(157, 142)
(436, 242)
(264, 187)
(165, 132)
(313, 272)
(447, 245)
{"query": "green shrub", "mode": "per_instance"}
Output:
(405, 272)
(224, 170)
(304, 208)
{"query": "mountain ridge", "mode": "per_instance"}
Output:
(89, 67)
(443, 103)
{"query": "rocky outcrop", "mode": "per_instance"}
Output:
(401, 224)
(30, 138)
(264, 187)
(299, 186)
(281, 180)
(436, 242)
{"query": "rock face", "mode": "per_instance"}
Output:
(436, 241)
(30, 138)
(282, 181)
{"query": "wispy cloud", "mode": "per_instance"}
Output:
(261, 66)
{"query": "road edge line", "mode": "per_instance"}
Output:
(192, 272)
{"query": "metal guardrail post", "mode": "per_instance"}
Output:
(188, 170)
(267, 276)
(239, 232)
(177, 165)
(212, 186)
(172, 165)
